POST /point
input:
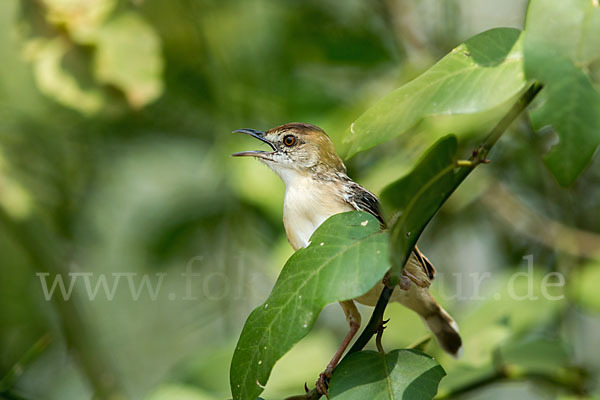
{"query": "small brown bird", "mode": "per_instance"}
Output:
(317, 187)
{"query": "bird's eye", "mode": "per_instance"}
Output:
(289, 140)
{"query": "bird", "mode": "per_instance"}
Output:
(317, 186)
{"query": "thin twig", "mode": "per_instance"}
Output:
(478, 157)
(479, 154)
(574, 383)
(508, 119)
(511, 210)
(379, 336)
(18, 368)
(374, 322)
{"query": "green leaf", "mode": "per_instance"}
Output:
(56, 82)
(479, 75)
(401, 374)
(129, 57)
(347, 256)
(80, 19)
(414, 199)
(562, 38)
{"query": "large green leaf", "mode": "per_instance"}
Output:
(479, 75)
(401, 374)
(414, 199)
(562, 38)
(347, 256)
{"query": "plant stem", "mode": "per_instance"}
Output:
(478, 157)
(374, 322)
(38, 348)
(574, 385)
(479, 154)
(509, 118)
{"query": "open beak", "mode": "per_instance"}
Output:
(260, 135)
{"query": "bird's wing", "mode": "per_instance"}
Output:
(425, 263)
(363, 200)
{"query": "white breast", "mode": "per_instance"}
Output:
(306, 205)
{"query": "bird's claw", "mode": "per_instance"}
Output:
(322, 384)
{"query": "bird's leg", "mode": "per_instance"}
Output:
(353, 318)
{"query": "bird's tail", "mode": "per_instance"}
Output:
(441, 324)
(418, 299)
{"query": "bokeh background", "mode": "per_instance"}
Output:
(115, 136)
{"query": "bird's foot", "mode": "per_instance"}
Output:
(322, 384)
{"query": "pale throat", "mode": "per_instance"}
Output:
(307, 203)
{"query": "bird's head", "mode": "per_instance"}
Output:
(296, 148)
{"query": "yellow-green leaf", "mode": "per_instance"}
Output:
(129, 57)
(477, 76)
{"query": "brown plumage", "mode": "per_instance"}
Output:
(317, 187)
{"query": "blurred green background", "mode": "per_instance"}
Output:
(115, 121)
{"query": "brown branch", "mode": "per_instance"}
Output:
(535, 226)
(573, 382)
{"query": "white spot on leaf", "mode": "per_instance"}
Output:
(365, 222)
(322, 243)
